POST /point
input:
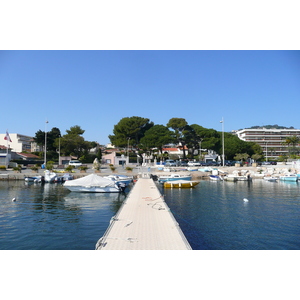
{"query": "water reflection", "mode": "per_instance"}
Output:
(214, 215)
(51, 217)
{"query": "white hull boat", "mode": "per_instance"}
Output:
(63, 178)
(231, 177)
(93, 184)
(50, 176)
(33, 178)
(172, 177)
(271, 178)
(93, 189)
(215, 177)
(120, 179)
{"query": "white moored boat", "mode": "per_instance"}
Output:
(120, 179)
(172, 177)
(215, 177)
(289, 177)
(270, 178)
(50, 176)
(33, 178)
(93, 184)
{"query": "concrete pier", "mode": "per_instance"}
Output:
(144, 222)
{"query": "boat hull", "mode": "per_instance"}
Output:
(166, 179)
(289, 178)
(82, 189)
(215, 177)
(271, 179)
(180, 184)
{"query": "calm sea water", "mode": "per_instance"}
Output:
(213, 215)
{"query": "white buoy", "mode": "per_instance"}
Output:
(13, 199)
(246, 200)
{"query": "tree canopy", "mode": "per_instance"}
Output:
(130, 131)
(156, 137)
(181, 131)
(140, 132)
(70, 144)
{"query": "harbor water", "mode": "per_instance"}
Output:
(255, 215)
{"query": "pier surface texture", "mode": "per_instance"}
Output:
(144, 222)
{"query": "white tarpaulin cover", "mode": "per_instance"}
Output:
(90, 180)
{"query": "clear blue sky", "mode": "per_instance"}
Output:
(96, 89)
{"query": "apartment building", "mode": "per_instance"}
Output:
(271, 140)
(19, 142)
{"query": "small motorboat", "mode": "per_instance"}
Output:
(33, 179)
(289, 177)
(120, 179)
(173, 177)
(63, 178)
(232, 177)
(215, 177)
(270, 178)
(50, 176)
(94, 184)
(180, 184)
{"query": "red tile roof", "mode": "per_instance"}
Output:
(28, 155)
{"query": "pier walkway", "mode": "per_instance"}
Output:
(144, 222)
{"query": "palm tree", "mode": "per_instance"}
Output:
(292, 142)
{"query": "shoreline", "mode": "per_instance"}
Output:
(255, 172)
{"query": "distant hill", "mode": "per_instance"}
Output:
(271, 127)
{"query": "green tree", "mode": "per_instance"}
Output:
(130, 130)
(256, 157)
(73, 144)
(241, 156)
(179, 125)
(156, 137)
(76, 130)
(52, 135)
(209, 138)
(292, 143)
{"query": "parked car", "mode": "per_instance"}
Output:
(212, 163)
(75, 163)
(229, 163)
(267, 163)
(182, 164)
(194, 163)
(170, 163)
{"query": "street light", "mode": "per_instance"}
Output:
(59, 149)
(200, 141)
(223, 163)
(128, 150)
(45, 155)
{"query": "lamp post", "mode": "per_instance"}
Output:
(45, 155)
(200, 141)
(59, 150)
(223, 158)
(128, 150)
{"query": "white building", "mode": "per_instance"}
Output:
(271, 140)
(5, 156)
(19, 142)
